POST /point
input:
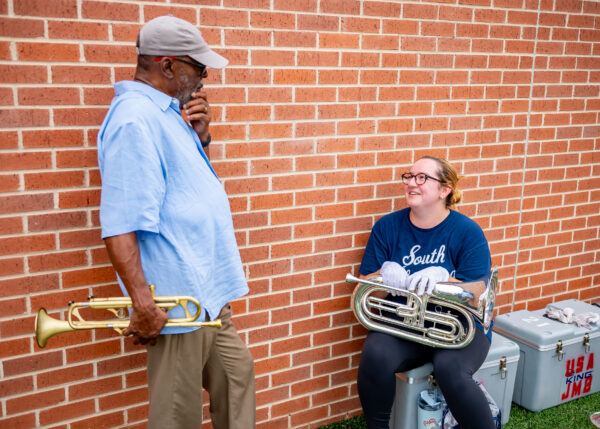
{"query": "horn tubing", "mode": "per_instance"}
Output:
(413, 330)
(408, 320)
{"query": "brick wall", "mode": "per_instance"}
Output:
(325, 103)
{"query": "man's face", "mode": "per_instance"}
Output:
(188, 78)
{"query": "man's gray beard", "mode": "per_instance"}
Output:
(184, 94)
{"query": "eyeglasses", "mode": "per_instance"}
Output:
(202, 67)
(420, 178)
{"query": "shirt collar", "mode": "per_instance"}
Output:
(162, 100)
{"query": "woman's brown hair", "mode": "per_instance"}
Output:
(448, 177)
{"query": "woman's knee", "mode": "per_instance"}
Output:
(451, 375)
(448, 365)
(377, 365)
(375, 353)
(461, 363)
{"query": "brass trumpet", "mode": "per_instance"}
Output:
(47, 326)
(441, 320)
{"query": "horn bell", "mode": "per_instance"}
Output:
(478, 297)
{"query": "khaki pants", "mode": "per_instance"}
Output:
(180, 365)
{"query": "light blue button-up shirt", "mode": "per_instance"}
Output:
(158, 182)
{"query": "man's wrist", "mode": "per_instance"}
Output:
(206, 142)
(141, 296)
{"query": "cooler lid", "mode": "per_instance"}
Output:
(540, 332)
(502, 347)
(579, 307)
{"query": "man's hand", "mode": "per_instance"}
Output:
(147, 320)
(197, 112)
(146, 323)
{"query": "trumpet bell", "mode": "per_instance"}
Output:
(47, 326)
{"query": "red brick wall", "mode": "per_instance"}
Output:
(324, 105)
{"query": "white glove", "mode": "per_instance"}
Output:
(426, 279)
(393, 274)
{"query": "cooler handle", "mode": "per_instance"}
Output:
(559, 350)
(503, 367)
(586, 342)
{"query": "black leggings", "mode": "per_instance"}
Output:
(383, 355)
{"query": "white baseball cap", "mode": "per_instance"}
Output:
(171, 36)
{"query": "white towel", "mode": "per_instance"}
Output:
(567, 315)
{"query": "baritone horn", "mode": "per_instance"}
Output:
(47, 326)
(442, 320)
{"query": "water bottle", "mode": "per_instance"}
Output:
(430, 407)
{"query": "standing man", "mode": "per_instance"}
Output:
(166, 221)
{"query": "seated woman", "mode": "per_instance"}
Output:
(413, 249)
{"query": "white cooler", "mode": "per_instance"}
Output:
(557, 359)
(497, 374)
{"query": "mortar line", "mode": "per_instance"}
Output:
(524, 170)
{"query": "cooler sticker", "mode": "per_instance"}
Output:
(534, 320)
(578, 377)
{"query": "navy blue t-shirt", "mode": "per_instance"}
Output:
(457, 244)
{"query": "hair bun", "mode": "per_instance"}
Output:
(448, 177)
(456, 196)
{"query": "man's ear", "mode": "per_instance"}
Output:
(165, 65)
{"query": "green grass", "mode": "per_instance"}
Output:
(571, 415)
(357, 422)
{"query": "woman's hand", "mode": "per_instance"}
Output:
(393, 274)
(424, 281)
